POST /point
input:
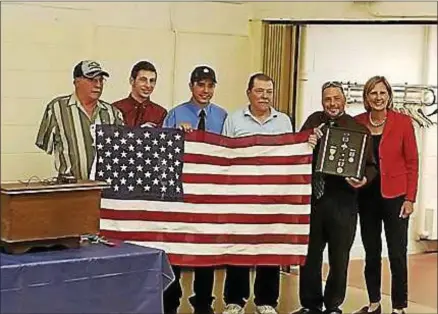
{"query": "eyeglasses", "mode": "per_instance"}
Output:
(332, 84)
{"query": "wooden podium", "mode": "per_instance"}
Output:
(38, 214)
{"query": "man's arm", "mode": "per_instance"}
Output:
(161, 120)
(312, 126)
(223, 123)
(46, 134)
(118, 116)
(170, 120)
(228, 127)
(311, 122)
(287, 124)
(118, 108)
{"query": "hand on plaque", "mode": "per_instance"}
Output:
(318, 132)
(315, 136)
(356, 183)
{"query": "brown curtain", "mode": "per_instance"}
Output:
(278, 62)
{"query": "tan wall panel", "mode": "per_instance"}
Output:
(24, 166)
(227, 55)
(120, 48)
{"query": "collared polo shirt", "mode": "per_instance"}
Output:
(189, 113)
(136, 114)
(65, 131)
(243, 123)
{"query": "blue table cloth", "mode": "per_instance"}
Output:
(91, 279)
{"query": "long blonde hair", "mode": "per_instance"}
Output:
(369, 85)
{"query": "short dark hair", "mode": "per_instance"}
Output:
(258, 76)
(142, 65)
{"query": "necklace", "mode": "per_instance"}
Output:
(376, 125)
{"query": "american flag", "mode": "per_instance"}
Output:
(206, 199)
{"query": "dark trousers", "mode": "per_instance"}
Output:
(373, 210)
(202, 287)
(333, 221)
(266, 286)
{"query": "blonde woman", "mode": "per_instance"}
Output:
(390, 198)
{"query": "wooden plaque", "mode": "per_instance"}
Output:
(38, 214)
(342, 152)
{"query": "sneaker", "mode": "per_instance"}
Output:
(265, 309)
(364, 310)
(233, 309)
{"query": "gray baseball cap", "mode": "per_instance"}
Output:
(88, 69)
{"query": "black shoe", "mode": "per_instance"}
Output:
(307, 311)
(333, 311)
(203, 310)
(364, 310)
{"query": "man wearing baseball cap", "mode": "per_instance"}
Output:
(196, 114)
(88, 69)
(65, 129)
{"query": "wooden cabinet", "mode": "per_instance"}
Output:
(39, 214)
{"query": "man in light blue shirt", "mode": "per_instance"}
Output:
(197, 114)
(245, 123)
(259, 117)
(189, 115)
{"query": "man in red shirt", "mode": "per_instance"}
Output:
(137, 108)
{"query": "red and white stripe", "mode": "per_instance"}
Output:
(246, 202)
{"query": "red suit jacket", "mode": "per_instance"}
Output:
(398, 156)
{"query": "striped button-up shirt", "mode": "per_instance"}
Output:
(65, 131)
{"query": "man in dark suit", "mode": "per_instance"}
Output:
(334, 211)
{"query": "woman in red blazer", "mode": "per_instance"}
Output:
(389, 198)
